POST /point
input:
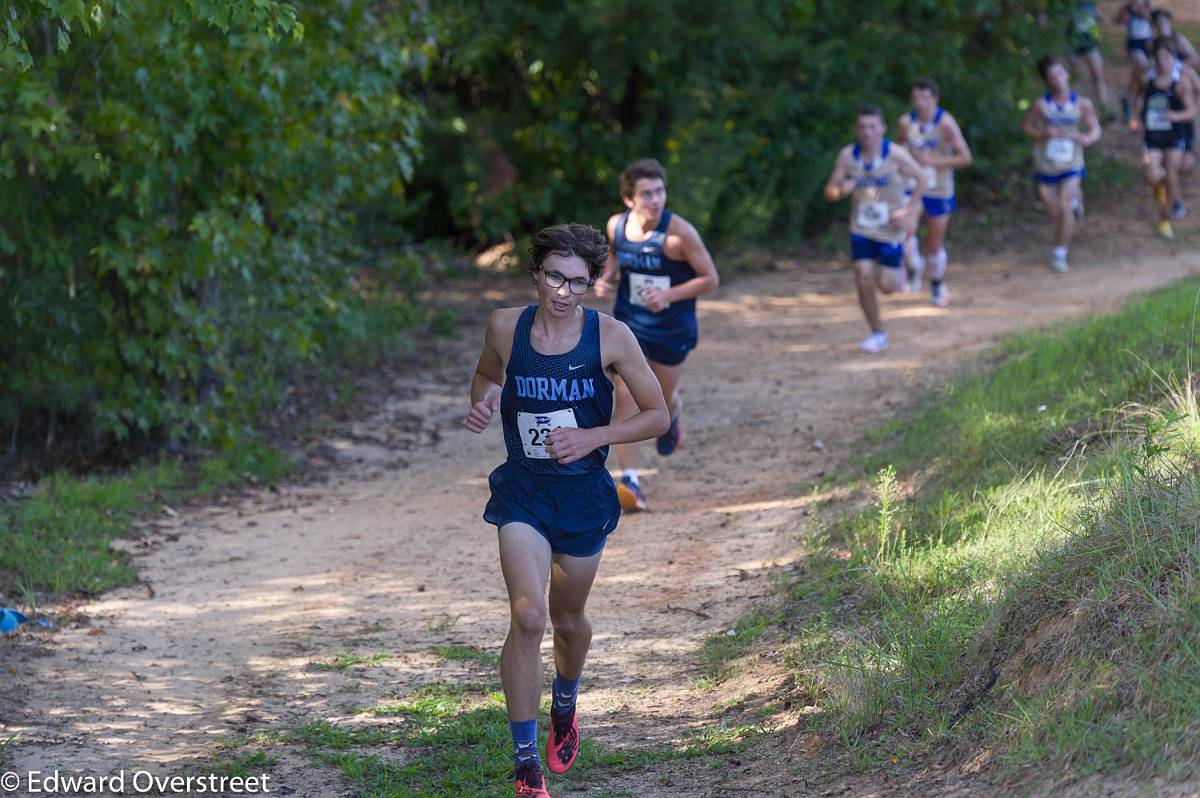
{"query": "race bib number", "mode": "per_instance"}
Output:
(534, 427)
(931, 177)
(872, 215)
(640, 283)
(1157, 121)
(1060, 151)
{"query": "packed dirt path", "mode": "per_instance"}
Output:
(242, 601)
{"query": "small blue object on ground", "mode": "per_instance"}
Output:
(10, 619)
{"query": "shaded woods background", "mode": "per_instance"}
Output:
(196, 204)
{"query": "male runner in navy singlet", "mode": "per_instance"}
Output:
(548, 370)
(663, 266)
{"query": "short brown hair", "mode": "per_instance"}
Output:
(927, 84)
(570, 239)
(641, 169)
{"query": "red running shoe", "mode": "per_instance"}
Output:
(562, 744)
(530, 783)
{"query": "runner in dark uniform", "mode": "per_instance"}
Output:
(548, 370)
(1166, 104)
(663, 266)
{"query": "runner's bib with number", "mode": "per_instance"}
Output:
(639, 283)
(534, 427)
(1157, 121)
(1060, 151)
(872, 215)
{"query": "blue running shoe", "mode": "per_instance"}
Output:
(630, 495)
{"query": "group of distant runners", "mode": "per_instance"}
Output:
(568, 382)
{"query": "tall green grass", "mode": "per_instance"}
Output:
(1025, 575)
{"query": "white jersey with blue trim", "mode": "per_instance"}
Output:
(1060, 155)
(939, 183)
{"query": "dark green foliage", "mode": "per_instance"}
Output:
(179, 209)
(535, 111)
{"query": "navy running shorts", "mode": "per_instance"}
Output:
(668, 351)
(889, 255)
(575, 514)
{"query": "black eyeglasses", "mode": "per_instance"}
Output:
(576, 285)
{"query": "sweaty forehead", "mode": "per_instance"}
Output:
(569, 266)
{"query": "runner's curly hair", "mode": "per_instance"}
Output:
(570, 239)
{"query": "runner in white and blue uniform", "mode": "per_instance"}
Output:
(936, 143)
(548, 371)
(875, 175)
(662, 265)
(1167, 103)
(1061, 124)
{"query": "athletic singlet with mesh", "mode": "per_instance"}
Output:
(939, 183)
(544, 392)
(878, 191)
(1160, 133)
(1058, 156)
(644, 264)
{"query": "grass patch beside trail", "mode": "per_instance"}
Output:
(1026, 576)
(59, 539)
(446, 739)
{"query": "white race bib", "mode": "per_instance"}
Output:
(1060, 151)
(930, 177)
(534, 427)
(1156, 120)
(638, 283)
(1139, 28)
(872, 215)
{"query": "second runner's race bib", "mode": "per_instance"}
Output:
(1061, 151)
(534, 427)
(638, 283)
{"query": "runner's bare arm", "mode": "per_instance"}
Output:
(961, 156)
(698, 257)
(606, 283)
(1034, 124)
(901, 137)
(839, 184)
(624, 357)
(1187, 96)
(1089, 123)
(488, 380)
(910, 213)
(1186, 50)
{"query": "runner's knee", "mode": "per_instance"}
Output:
(529, 617)
(570, 623)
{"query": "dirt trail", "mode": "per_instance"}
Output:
(390, 555)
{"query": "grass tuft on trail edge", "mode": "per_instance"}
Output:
(59, 540)
(453, 739)
(1024, 579)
